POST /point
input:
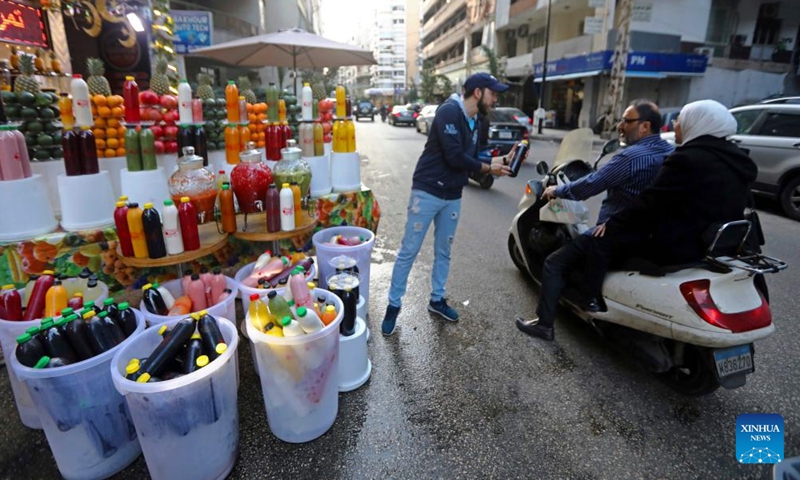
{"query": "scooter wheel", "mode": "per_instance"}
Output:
(695, 376)
(516, 254)
(487, 182)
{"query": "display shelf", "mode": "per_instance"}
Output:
(257, 228)
(210, 241)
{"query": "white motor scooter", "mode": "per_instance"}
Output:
(692, 325)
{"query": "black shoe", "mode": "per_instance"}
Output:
(532, 327)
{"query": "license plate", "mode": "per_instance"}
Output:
(506, 135)
(734, 360)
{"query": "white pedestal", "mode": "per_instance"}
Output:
(345, 172)
(354, 365)
(147, 186)
(320, 175)
(25, 210)
(87, 201)
(328, 148)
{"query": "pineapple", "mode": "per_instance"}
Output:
(159, 82)
(14, 58)
(55, 64)
(38, 62)
(98, 85)
(205, 90)
(318, 91)
(25, 82)
(246, 90)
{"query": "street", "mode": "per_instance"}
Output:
(479, 399)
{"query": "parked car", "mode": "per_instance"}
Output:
(668, 114)
(425, 118)
(770, 132)
(518, 115)
(505, 130)
(364, 109)
(402, 115)
(783, 100)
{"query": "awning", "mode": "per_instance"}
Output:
(569, 76)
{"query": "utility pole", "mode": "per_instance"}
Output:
(544, 70)
(616, 87)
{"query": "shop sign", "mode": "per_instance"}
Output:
(22, 24)
(193, 30)
(642, 11)
(655, 62)
(592, 25)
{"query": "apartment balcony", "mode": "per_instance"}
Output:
(445, 42)
(447, 11)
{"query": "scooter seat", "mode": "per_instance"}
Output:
(651, 269)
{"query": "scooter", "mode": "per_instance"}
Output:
(693, 326)
(384, 114)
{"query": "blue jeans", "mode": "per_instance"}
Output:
(424, 208)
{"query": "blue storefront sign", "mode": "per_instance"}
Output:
(193, 30)
(643, 63)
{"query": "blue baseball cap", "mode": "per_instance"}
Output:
(484, 80)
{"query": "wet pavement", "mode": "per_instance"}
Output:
(477, 398)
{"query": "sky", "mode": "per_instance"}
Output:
(341, 17)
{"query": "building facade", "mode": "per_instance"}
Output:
(413, 46)
(388, 77)
(734, 51)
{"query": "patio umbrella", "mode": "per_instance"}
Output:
(293, 47)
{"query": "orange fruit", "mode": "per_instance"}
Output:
(260, 144)
(121, 152)
(262, 136)
(100, 122)
(99, 100)
(94, 111)
(113, 122)
(99, 143)
(114, 101)
(111, 133)
(121, 142)
(99, 133)
(117, 112)
(261, 107)
(104, 112)
(121, 130)
(110, 152)
(261, 117)
(252, 127)
(101, 154)
(249, 108)
(112, 143)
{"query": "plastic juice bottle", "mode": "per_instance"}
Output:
(273, 329)
(273, 209)
(242, 110)
(184, 102)
(348, 107)
(153, 301)
(23, 153)
(55, 299)
(290, 327)
(147, 147)
(298, 211)
(193, 351)
(76, 302)
(519, 158)
(113, 330)
(259, 314)
(227, 209)
(127, 319)
(88, 149)
(10, 162)
(136, 229)
(222, 178)
(172, 229)
(341, 102)
(329, 315)
(308, 320)
(124, 235)
(232, 102)
(130, 96)
(300, 292)
(232, 145)
(185, 136)
(307, 139)
(75, 332)
(153, 233)
(351, 136)
(65, 109)
(29, 350)
(281, 110)
(262, 260)
(306, 99)
(218, 285)
(244, 137)
(319, 139)
(36, 303)
(197, 110)
(187, 217)
(169, 300)
(56, 344)
(133, 153)
(287, 208)
(349, 321)
(272, 102)
(341, 134)
(213, 342)
(287, 133)
(335, 137)
(201, 144)
(97, 335)
(26, 297)
(197, 293)
(10, 303)
(164, 353)
(278, 306)
(81, 107)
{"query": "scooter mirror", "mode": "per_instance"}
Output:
(542, 168)
(611, 146)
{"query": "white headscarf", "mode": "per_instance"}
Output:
(706, 117)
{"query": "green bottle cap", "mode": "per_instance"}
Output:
(42, 363)
(290, 303)
(61, 321)
(183, 80)
(89, 304)
(72, 317)
(155, 285)
(47, 323)
(108, 301)
(67, 312)
(124, 306)
(23, 338)
(102, 314)
(301, 311)
(225, 186)
(231, 82)
(32, 330)
(168, 202)
(286, 320)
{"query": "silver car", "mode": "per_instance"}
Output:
(771, 132)
(425, 118)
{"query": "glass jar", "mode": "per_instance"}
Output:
(292, 168)
(196, 182)
(250, 180)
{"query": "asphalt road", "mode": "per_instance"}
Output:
(477, 398)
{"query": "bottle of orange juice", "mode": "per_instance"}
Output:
(244, 136)
(232, 102)
(232, 144)
(65, 107)
(281, 110)
(341, 102)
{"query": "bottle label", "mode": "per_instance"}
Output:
(82, 103)
(170, 232)
(288, 210)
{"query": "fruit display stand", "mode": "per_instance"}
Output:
(31, 214)
(210, 241)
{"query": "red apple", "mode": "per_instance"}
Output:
(325, 105)
(148, 97)
(171, 147)
(327, 138)
(158, 131)
(153, 114)
(326, 127)
(171, 132)
(169, 102)
(160, 148)
(170, 117)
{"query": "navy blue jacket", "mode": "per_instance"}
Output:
(450, 153)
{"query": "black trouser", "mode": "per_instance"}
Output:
(557, 267)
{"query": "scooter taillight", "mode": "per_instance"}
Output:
(698, 295)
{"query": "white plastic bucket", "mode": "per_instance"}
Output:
(31, 215)
(299, 377)
(85, 201)
(362, 254)
(225, 308)
(84, 418)
(355, 367)
(188, 427)
(9, 331)
(245, 291)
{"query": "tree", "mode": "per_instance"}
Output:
(445, 86)
(413, 96)
(428, 81)
(494, 65)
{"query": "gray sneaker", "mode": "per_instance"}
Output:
(444, 310)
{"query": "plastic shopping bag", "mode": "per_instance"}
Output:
(562, 210)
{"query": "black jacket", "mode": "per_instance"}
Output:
(703, 182)
(450, 153)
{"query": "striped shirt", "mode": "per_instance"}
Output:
(624, 177)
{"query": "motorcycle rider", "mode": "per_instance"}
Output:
(450, 153)
(624, 177)
(384, 112)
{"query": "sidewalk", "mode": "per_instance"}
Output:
(555, 135)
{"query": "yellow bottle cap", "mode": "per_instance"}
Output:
(195, 315)
(221, 348)
(134, 361)
(8, 287)
(128, 77)
(132, 368)
(88, 315)
(48, 272)
(241, 97)
(185, 199)
(162, 330)
(85, 127)
(285, 185)
(202, 313)
(120, 204)
(330, 308)
(123, 198)
(311, 285)
(78, 294)
(144, 378)
(148, 205)
(202, 361)
(196, 336)
(306, 84)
